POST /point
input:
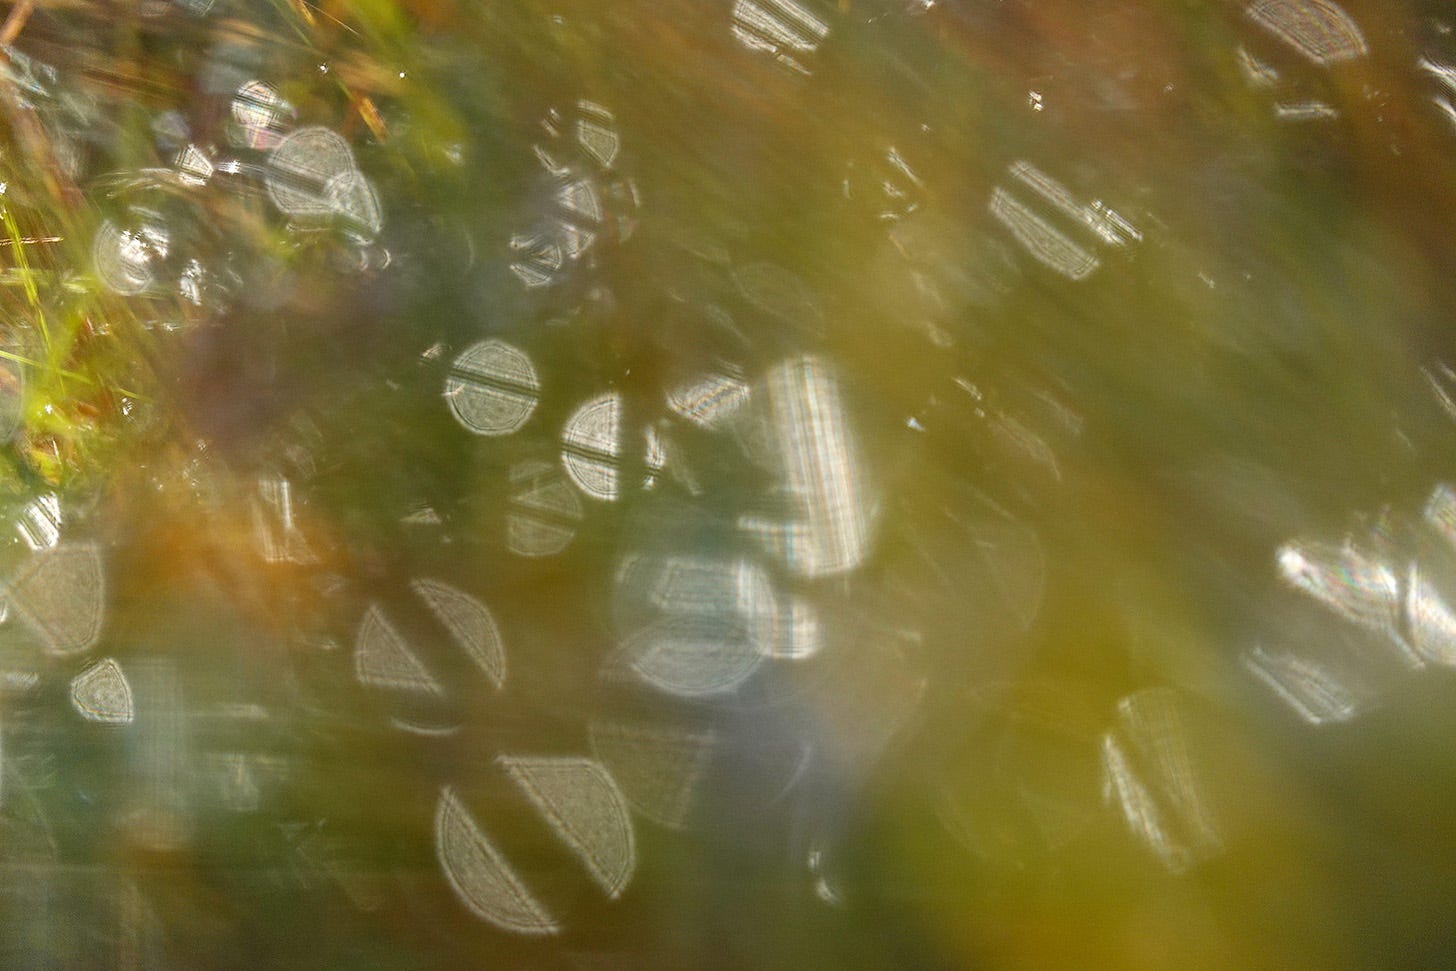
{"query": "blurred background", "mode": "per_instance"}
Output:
(727, 483)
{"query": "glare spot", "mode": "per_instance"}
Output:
(592, 447)
(796, 634)
(589, 202)
(60, 595)
(300, 167)
(1331, 664)
(709, 401)
(192, 283)
(193, 165)
(39, 524)
(596, 134)
(1311, 689)
(544, 511)
(658, 769)
(259, 111)
(1440, 513)
(539, 258)
(579, 198)
(480, 876)
(424, 515)
(101, 694)
(1109, 227)
(279, 538)
(469, 622)
(821, 472)
(1037, 228)
(703, 625)
(582, 803)
(1357, 586)
(124, 257)
(1257, 73)
(312, 176)
(1048, 245)
(29, 74)
(1445, 76)
(351, 196)
(492, 388)
(1304, 111)
(780, 28)
(383, 659)
(592, 442)
(1150, 777)
(1430, 619)
(1447, 108)
(1318, 29)
(823, 888)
